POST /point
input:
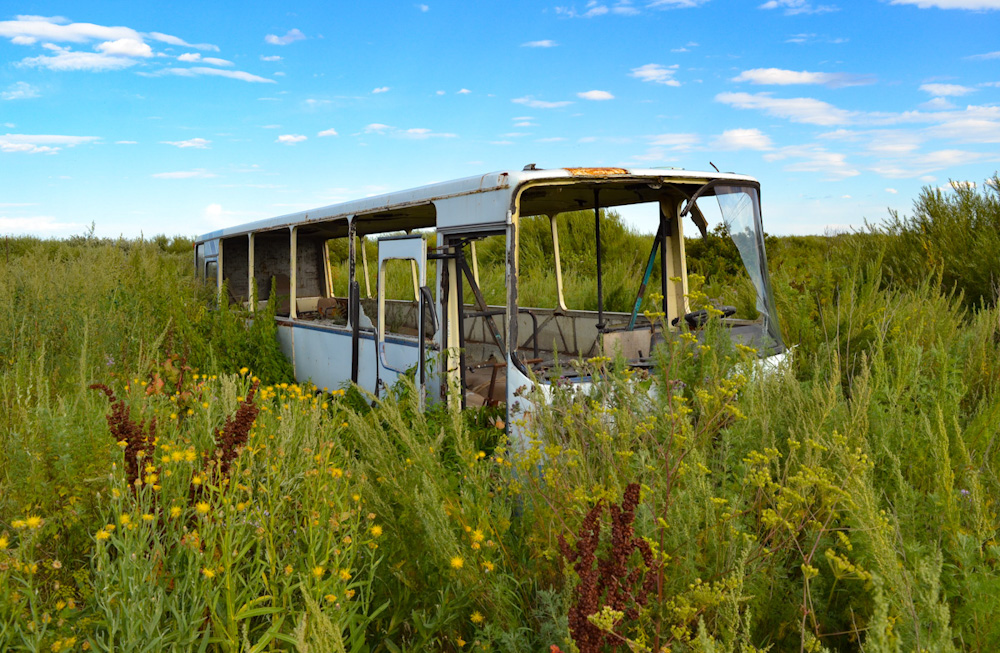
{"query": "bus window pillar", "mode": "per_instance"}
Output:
(251, 281)
(675, 281)
(293, 273)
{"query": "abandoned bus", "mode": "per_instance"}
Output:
(469, 287)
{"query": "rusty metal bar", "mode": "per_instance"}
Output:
(600, 273)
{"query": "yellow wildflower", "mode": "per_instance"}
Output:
(477, 536)
(330, 598)
(147, 517)
(102, 534)
(18, 523)
(175, 511)
(3, 542)
(125, 519)
(318, 571)
(209, 573)
(345, 575)
(288, 570)
(202, 507)
(33, 522)
(457, 562)
(375, 530)
(477, 618)
(489, 566)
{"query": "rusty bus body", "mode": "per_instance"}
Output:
(446, 335)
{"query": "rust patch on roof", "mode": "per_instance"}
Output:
(596, 172)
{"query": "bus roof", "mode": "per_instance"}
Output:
(491, 182)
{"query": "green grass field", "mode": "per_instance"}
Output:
(200, 500)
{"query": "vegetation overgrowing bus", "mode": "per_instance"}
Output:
(355, 326)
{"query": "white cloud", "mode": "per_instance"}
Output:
(34, 224)
(65, 60)
(546, 43)
(795, 7)
(915, 166)
(126, 48)
(781, 77)
(57, 31)
(173, 40)
(197, 173)
(191, 57)
(381, 89)
(526, 123)
(196, 143)
(273, 57)
(676, 4)
(126, 142)
(423, 8)
(892, 191)
(813, 158)
(656, 73)
(290, 139)
(216, 72)
(946, 90)
(742, 139)
(41, 143)
(463, 91)
(292, 36)
(937, 104)
(987, 55)
(595, 95)
(530, 101)
(421, 133)
(328, 132)
(952, 4)
(803, 110)
(414, 133)
(19, 91)
(680, 142)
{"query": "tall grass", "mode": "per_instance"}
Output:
(844, 501)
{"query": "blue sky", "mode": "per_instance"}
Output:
(182, 118)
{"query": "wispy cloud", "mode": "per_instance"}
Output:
(546, 43)
(795, 7)
(781, 77)
(741, 139)
(197, 173)
(218, 72)
(815, 158)
(803, 110)
(328, 132)
(530, 101)
(656, 73)
(41, 143)
(195, 143)
(20, 91)
(34, 224)
(291, 36)
(595, 95)
(191, 57)
(423, 8)
(973, 5)
(680, 142)
(290, 139)
(413, 133)
(985, 56)
(71, 60)
(381, 89)
(946, 90)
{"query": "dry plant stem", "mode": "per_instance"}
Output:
(139, 439)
